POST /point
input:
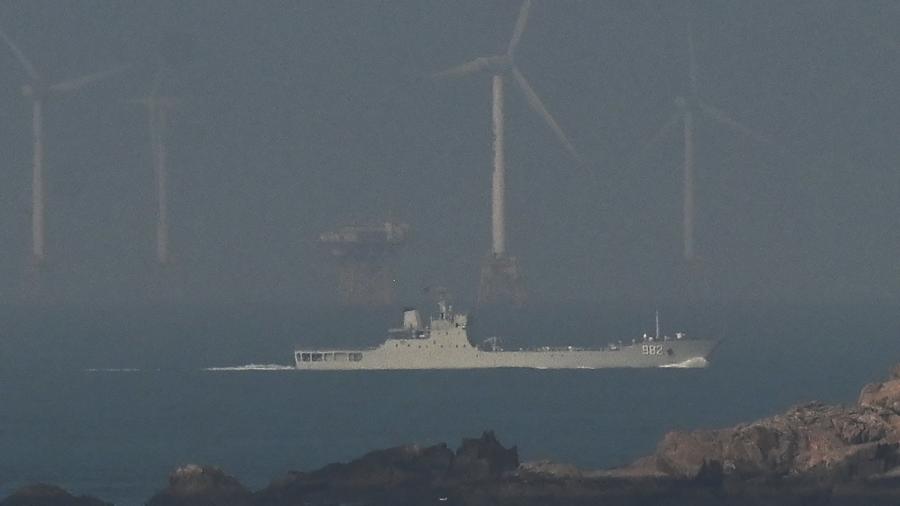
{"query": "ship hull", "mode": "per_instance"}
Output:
(434, 354)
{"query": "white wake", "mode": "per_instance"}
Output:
(252, 367)
(691, 363)
(112, 369)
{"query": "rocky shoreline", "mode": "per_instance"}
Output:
(812, 454)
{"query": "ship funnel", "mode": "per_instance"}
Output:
(411, 319)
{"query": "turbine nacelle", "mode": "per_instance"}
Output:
(500, 64)
(496, 65)
(35, 90)
(504, 65)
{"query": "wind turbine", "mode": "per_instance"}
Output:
(500, 67)
(39, 91)
(687, 107)
(158, 108)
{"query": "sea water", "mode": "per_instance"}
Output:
(108, 401)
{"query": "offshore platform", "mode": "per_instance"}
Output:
(363, 254)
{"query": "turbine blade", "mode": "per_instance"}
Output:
(535, 102)
(29, 68)
(667, 127)
(470, 67)
(520, 26)
(722, 117)
(80, 82)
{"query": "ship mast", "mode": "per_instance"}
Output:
(657, 325)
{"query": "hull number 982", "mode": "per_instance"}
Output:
(651, 349)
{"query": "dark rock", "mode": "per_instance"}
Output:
(393, 466)
(408, 474)
(48, 495)
(397, 475)
(200, 486)
(483, 458)
(711, 474)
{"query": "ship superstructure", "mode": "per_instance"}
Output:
(444, 344)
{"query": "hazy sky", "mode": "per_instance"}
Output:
(301, 116)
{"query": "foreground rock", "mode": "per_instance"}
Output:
(403, 475)
(193, 485)
(48, 495)
(813, 442)
(812, 454)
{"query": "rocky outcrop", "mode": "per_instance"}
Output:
(812, 441)
(406, 474)
(48, 495)
(883, 395)
(202, 486)
(483, 458)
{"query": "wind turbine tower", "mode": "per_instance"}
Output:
(687, 108)
(158, 108)
(39, 91)
(501, 278)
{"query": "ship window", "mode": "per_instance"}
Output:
(340, 357)
(304, 357)
(316, 357)
(327, 357)
(355, 357)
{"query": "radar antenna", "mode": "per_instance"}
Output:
(441, 296)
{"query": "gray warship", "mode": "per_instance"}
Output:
(444, 344)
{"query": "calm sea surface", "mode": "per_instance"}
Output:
(69, 415)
